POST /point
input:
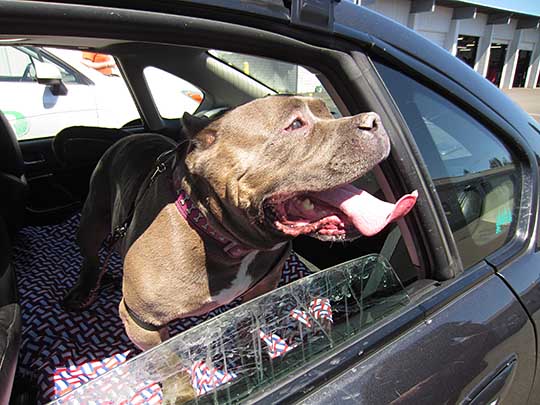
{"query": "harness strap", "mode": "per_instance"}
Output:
(120, 231)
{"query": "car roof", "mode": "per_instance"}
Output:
(340, 19)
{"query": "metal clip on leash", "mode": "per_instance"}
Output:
(159, 169)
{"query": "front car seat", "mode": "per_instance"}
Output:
(13, 185)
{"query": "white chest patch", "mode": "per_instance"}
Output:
(240, 284)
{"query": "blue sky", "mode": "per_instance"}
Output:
(520, 6)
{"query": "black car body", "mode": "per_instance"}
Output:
(469, 332)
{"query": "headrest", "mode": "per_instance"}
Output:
(80, 146)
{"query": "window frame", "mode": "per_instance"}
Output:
(509, 136)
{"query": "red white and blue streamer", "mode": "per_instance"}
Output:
(300, 316)
(205, 378)
(320, 308)
(66, 379)
(276, 346)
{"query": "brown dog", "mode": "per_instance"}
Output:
(216, 223)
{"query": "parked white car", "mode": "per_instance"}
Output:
(43, 91)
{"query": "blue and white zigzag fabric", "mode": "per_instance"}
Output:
(61, 350)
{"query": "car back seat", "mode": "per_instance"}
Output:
(10, 317)
(80, 146)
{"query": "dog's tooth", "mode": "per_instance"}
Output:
(307, 204)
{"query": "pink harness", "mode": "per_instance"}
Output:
(199, 222)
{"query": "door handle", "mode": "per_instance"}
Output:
(34, 159)
(34, 162)
(491, 390)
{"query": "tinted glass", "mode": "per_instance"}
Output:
(477, 177)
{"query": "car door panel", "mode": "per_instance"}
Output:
(495, 196)
(524, 278)
(457, 354)
(55, 191)
(495, 386)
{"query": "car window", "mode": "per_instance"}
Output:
(173, 95)
(281, 77)
(18, 64)
(15, 65)
(477, 176)
(35, 110)
(247, 349)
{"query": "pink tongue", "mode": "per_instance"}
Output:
(368, 214)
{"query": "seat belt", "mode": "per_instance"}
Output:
(390, 243)
(387, 251)
(311, 267)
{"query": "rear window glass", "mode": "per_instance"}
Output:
(281, 77)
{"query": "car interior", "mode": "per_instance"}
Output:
(44, 181)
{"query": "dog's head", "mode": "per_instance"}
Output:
(280, 166)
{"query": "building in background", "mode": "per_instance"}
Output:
(500, 39)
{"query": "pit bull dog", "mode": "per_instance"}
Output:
(213, 221)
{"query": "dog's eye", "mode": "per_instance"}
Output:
(296, 124)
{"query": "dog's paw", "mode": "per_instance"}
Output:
(177, 389)
(79, 298)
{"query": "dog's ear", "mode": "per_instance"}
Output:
(192, 125)
(195, 129)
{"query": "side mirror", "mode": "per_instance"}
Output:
(50, 75)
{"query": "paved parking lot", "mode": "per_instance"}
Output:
(528, 99)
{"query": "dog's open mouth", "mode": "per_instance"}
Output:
(338, 214)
